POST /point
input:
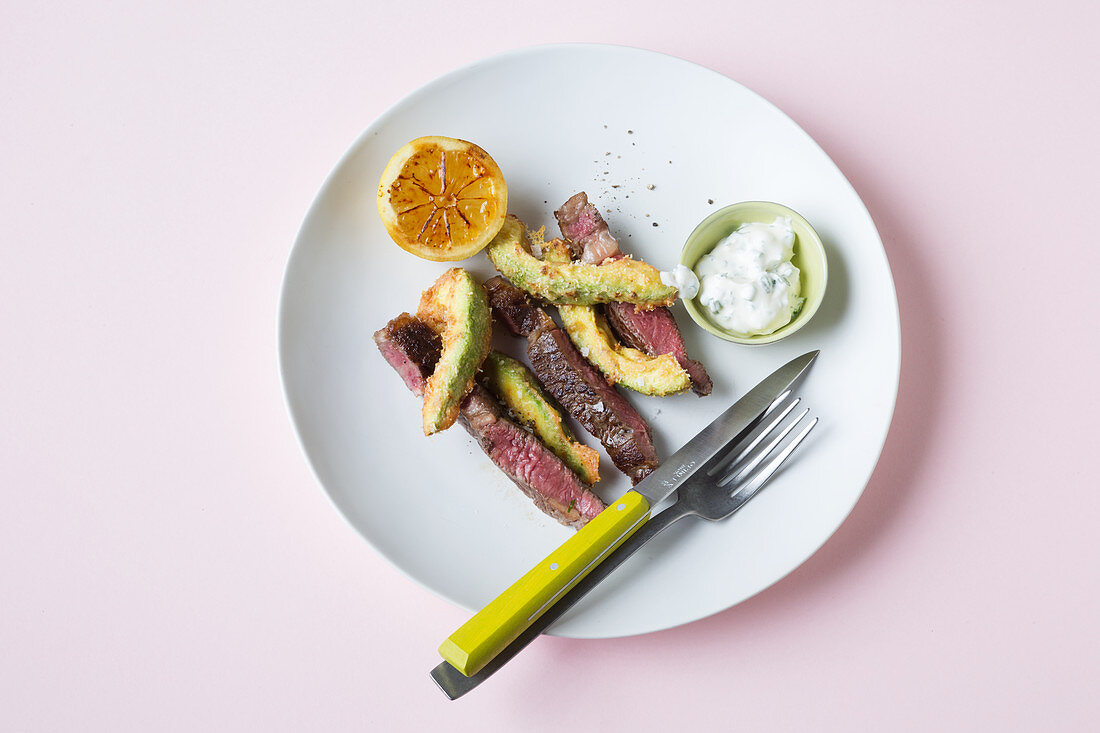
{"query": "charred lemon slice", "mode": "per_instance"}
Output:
(442, 199)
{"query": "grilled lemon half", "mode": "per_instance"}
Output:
(442, 199)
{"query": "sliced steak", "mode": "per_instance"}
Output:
(575, 383)
(539, 474)
(655, 332)
(512, 307)
(587, 396)
(582, 225)
(412, 349)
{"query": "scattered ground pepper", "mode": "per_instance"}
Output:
(710, 201)
(654, 223)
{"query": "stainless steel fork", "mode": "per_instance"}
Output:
(714, 492)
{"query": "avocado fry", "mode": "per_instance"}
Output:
(519, 390)
(457, 309)
(573, 283)
(652, 375)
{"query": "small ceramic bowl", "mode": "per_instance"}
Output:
(809, 258)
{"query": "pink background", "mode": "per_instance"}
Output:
(168, 562)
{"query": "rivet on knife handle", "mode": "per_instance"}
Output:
(495, 626)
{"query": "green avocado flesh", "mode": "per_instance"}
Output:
(574, 283)
(652, 375)
(456, 308)
(519, 390)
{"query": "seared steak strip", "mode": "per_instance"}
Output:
(514, 308)
(412, 349)
(654, 331)
(575, 383)
(582, 225)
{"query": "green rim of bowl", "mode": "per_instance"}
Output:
(809, 258)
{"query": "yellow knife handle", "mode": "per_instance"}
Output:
(494, 627)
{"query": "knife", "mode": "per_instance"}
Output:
(500, 622)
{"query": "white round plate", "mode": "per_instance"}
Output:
(653, 140)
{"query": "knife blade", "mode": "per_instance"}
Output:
(496, 625)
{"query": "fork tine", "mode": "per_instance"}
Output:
(777, 401)
(752, 487)
(738, 454)
(739, 472)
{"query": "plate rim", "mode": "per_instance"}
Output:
(360, 139)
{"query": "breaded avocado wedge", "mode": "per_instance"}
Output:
(456, 308)
(652, 375)
(575, 283)
(519, 390)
